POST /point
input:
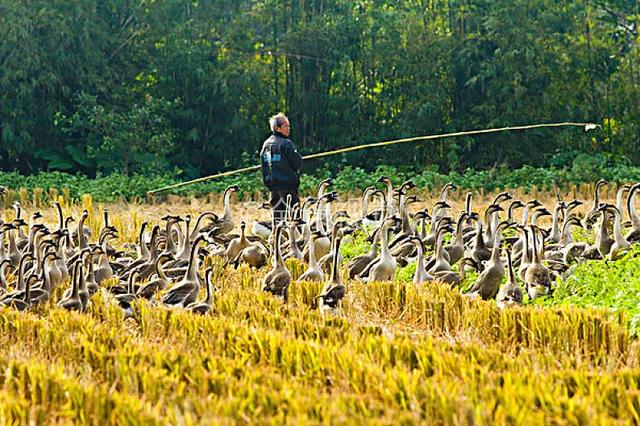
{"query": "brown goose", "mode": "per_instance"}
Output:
(205, 306)
(488, 282)
(537, 278)
(620, 244)
(256, 255)
(313, 272)
(73, 302)
(185, 291)
(334, 291)
(356, 265)
(236, 245)
(590, 216)
(421, 275)
(126, 300)
(634, 235)
(510, 294)
(455, 250)
(278, 279)
(384, 268)
(148, 290)
(225, 224)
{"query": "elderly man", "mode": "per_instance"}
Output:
(280, 166)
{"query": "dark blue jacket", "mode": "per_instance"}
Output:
(280, 164)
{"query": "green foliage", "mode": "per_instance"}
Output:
(611, 285)
(117, 87)
(351, 179)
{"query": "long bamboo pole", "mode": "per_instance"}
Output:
(586, 126)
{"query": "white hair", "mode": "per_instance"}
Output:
(277, 120)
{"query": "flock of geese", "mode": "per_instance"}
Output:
(444, 245)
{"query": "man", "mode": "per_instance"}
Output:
(280, 166)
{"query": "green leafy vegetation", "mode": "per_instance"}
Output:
(186, 88)
(350, 179)
(603, 284)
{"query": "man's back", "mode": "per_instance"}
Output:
(280, 163)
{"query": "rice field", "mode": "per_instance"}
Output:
(396, 353)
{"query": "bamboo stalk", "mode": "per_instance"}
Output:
(587, 126)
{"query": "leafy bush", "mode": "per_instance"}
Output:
(115, 186)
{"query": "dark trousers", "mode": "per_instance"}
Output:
(279, 204)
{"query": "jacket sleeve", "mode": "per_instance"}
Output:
(263, 166)
(294, 158)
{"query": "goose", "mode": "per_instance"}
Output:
(61, 262)
(326, 261)
(225, 224)
(14, 253)
(384, 268)
(80, 231)
(589, 217)
(146, 268)
(421, 275)
(236, 245)
(186, 290)
(262, 228)
(452, 278)
(469, 226)
(20, 286)
(480, 252)
(148, 290)
(4, 227)
(323, 186)
(83, 292)
(488, 282)
(73, 302)
(356, 265)
(407, 249)
(440, 210)
(322, 243)
(20, 302)
(406, 230)
(367, 219)
(294, 249)
(510, 294)
(430, 239)
(536, 277)
(126, 300)
(333, 291)
(104, 271)
(455, 250)
(170, 246)
(525, 257)
(184, 246)
(515, 204)
(495, 219)
(603, 239)
(278, 279)
(620, 244)
(206, 305)
(620, 198)
(255, 255)
(555, 234)
(313, 272)
(42, 293)
(391, 207)
(198, 226)
(4, 264)
(52, 271)
(530, 205)
(441, 263)
(634, 235)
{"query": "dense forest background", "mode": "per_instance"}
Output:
(186, 87)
